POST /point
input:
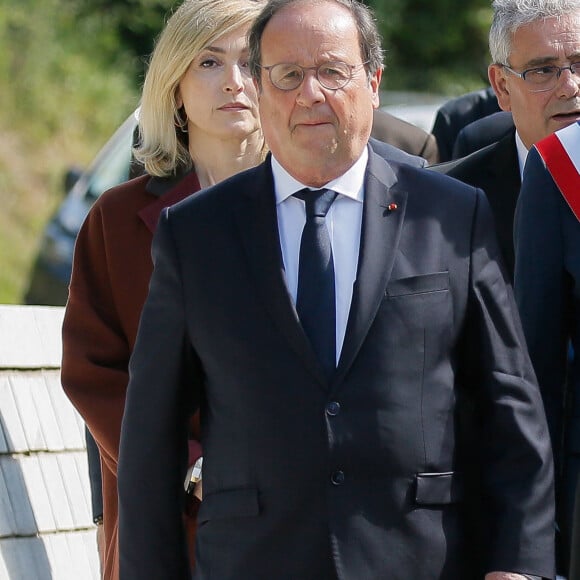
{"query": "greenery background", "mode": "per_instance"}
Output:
(71, 71)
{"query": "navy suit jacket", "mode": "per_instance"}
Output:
(365, 474)
(547, 287)
(482, 132)
(496, 170)
(456, 113)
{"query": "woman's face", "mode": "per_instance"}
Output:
(217, 91)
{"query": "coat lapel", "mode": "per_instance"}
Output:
(383, 213)
(168, 192)
(258, 226)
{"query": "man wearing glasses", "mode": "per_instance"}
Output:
(536, 66)
(535, 73)
(351, 342)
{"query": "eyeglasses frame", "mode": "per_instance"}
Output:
(560, 70)
(351, 67)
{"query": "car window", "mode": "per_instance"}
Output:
(113, 167)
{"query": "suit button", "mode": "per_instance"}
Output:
(337, 478)
(333, 408)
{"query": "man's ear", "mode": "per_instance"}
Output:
(497, 78)
(375, 82)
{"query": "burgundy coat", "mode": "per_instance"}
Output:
(109, 284)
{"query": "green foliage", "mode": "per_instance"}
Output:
(136, 22)
(56, 75)
(71, 71)
(438, 46)
(65, 92)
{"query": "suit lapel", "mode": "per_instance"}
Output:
(505, 164)
(258, 226)
(502, 188)
(384, 210)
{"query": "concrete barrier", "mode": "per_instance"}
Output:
(46, 528)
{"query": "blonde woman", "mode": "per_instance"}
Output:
(199, 124)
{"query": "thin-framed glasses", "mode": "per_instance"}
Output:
(332, 75)
(544, 78)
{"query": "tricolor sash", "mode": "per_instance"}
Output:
(561, 154)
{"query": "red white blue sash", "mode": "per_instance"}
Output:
(561, 154)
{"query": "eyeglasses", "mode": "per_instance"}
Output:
(544, 78)
(331, 75)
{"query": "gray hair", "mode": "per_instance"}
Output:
(369, 36)
(509, 15)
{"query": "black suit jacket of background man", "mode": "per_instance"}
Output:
(496, 170)
(456, 113)
(359, 476)
(483, 132)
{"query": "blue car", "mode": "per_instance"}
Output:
(51, 271)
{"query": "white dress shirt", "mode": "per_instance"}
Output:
(522, 154)
(343, 221)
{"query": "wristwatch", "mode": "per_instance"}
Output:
(193, 476)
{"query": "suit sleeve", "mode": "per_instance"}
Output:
(516, 460)
(95, 477)
(541, 286)
(163, 388)
(444, 135)
(430, 151)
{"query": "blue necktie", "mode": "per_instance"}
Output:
(315, 301)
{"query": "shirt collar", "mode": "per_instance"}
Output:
(350, 184)
(522, 153)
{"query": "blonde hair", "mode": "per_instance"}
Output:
(194, 25)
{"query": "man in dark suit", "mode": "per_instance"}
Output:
(456, 113)
(495, 169)
(547, 278)
(331, 411)
(522, 34)
(482, 132)
(527, 40)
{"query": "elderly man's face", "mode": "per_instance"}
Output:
(316, 133)
(547, 42)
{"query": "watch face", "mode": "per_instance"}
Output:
(193, 477)
(196, 471)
